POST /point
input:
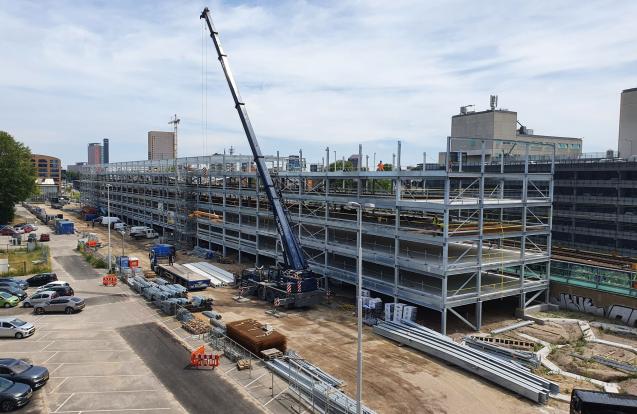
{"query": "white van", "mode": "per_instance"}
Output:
(138, 229)
(107, 221)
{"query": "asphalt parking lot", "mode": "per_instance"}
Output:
(115, 356)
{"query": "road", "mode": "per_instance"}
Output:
(197, 390)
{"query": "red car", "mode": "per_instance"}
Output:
(8, 231)
(44, 237)
(27, 228)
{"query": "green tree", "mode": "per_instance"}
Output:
(17, 175)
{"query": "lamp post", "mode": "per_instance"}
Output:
(108, 207)
(359, 306)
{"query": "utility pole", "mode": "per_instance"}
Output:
(175, 122)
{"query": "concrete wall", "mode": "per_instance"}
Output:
(628, 123)
(618, 308)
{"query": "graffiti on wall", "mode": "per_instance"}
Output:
(618, 313)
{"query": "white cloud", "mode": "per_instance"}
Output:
(312, 74)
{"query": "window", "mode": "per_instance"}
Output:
(6, 325)
(37, 296)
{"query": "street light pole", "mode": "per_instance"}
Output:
(359, 304)
(108, 207)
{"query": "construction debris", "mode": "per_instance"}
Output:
(196, 326)
(511, 327)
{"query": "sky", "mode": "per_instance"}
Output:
(312, 74)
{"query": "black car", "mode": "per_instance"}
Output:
(42, 279)
(18, 370)
(62, 290)
(21, 294)
(13, 394)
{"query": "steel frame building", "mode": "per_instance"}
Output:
(438, 237)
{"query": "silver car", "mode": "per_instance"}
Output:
(39, 298)
(15, 328)
(66, 304)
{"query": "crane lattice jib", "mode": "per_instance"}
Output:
(292, 253)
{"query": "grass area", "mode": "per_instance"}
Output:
(23, 262)
(96, 262)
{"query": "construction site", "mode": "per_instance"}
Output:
(450, 261)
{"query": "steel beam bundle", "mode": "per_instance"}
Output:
(506, 374)
(316, 371)
(313, 391)
(526, 358)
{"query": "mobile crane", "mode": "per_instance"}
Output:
(294, 283)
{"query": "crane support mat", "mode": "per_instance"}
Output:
(253, 336)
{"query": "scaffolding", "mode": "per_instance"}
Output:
(441, 236)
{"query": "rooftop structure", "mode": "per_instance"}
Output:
(440, 238)
(506, 134)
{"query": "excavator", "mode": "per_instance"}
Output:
(292, 283)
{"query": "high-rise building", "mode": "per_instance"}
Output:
(161, 145)
(105, 151)
(628, 123)
(94, 153)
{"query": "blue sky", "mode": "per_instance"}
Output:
(313, 74)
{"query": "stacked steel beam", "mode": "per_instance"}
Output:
(503, 373)
(312, 390)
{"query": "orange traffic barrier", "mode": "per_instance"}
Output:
(109, 280)
(198, 358)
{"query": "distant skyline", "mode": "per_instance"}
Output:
(332, 73)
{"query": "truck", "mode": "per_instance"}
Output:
(599, 402)
(183, 276)
(144, 234)
(291, 283)
(160, 253)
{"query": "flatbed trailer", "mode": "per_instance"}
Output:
(183, 276)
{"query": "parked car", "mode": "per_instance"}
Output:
(32, 226)
(12, 327)
(62, 304)
(18, 370)
(41, 279)
(18, 230)
(22, 284)
(15, 291)
(8, 231)
(39, 298)
(13, 394)
(52, 284)
(26, 229)
(62, 290)
(44, 237)
(7, 300)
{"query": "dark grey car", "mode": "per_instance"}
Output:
(15, 291)
(66, 304)
(13, 394)
(17, 370)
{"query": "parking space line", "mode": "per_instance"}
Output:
(63, 402)
(55, 369)
(104, 376)
(59, 385)
(109, 392)
(115, 411)
(47, 360)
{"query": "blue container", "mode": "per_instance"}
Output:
(121, 261)
(163, 250)
(64, 227)
(90, 217)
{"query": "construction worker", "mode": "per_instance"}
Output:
(380, 166)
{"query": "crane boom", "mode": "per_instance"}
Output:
(292, 253)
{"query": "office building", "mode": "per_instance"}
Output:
(95, 153)
(105, 156)
(628, 124)
(161, 145)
